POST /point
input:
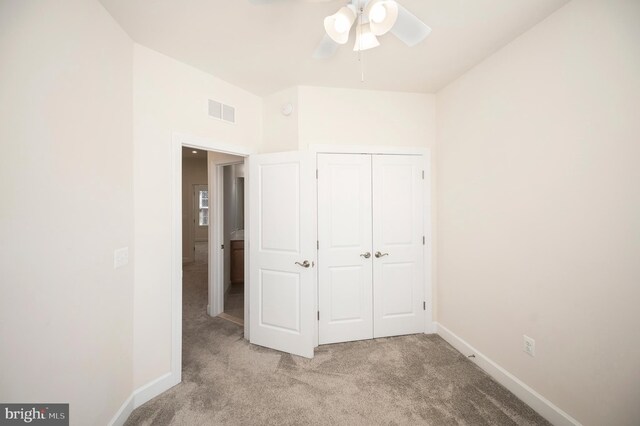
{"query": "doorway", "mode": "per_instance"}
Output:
(212, 235)
(233, 247)
(195, 239)
(217, 152)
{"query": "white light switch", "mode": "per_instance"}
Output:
(120, 257)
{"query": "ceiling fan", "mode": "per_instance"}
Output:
(371, 18)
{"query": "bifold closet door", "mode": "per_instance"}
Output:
(398, 273)
(344, 254)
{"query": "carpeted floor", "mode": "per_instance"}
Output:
(407, 380)
(234, 301)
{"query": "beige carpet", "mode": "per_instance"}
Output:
(406, 380)
(234, 302)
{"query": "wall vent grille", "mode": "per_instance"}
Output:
(228, 113)
(221, 111)
(215, 109)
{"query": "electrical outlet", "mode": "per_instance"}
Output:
(529, 345)
(120, 257)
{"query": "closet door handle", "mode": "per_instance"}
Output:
(366, 255)
(304, 264)
(379, 255)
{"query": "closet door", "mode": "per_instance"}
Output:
(398, 279)
(344, 255)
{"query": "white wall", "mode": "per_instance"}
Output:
(67, 202)
(539, 209)
(334, 116)
(168, 97)
(280, 131)
(365, 117)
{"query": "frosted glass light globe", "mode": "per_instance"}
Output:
(378, 13)
(341, 24)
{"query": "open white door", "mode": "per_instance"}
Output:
(282, 199)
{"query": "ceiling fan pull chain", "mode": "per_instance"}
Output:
(361, 9)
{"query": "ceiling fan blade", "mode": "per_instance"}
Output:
(409, 28)
(326, 49)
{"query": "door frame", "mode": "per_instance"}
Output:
(429, 327)
(178, 141)
(216, 273)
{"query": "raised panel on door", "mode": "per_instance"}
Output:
(344, 233)
(282, 237)
(398, 274)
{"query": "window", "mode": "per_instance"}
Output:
(203, 205)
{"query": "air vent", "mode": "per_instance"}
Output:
(228, 113)
(215, 109)
(221, 111)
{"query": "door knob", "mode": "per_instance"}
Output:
(366, 255)
(304, 264)
(379, 255)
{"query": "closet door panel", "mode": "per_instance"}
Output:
(397, 244)
(344, 234)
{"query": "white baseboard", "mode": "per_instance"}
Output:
(533, 399)
(153, 389)
(123, 413)
(142, 395)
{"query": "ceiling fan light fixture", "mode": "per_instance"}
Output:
(339, 24)
(377, 13)
(382, 15)
(365, 39)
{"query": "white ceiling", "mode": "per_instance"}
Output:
(265, 48)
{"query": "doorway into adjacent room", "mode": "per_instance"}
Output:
(195, 236)
(212, 186)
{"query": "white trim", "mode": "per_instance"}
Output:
(206, 144)
(427, 229)
(123, 413)
(176, 253)
(366, 149)
(216, 235)
(216, 271)
(152, 389)
(520, 389)
(247, 247)
(142, 395)
(179, 140)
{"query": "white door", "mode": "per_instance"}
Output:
(282, 196)
(345, 293)
(398, 274)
